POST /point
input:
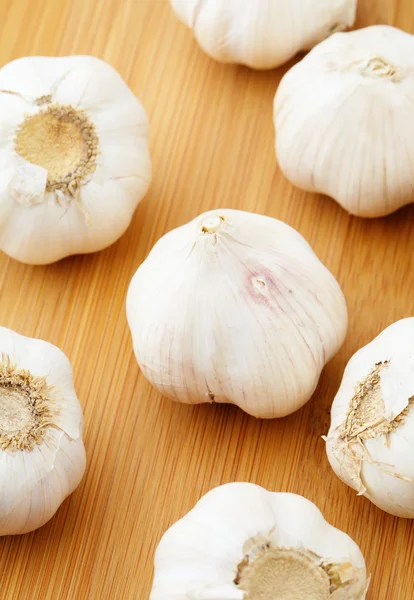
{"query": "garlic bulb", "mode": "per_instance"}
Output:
(370, 443)
(344, 120)
(235, 307)
(242, 542)
(262, 34)
(42, 457)
(74, 160)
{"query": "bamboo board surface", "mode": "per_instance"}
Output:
(150, 460)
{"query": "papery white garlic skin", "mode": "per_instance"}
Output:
(235, 307)
(42, 456)
(262, 34)
(378, 466)
(203, 556)
(344, 119)
(74, 161)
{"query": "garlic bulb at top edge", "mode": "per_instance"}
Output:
(241, 541)
(262, 34)
(344, 119)
(42, 456)
(370, 443)
(235, 307)
(74, 160)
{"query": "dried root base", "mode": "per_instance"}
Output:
(25, 408)
(289, 574)
(366, 420)
(62, 140)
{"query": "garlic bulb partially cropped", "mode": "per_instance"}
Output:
(235, 307)
(262, 34)
(370, 443)
(74, 160)
(344, 119)
(241, 542)
(42, 456)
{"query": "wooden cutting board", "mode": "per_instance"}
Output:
(150, 460)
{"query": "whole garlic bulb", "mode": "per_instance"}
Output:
(370, 443)
(344, 119)
(235, 307)
(42, 456)
(242, 542)
(262, 34)
(74, 160)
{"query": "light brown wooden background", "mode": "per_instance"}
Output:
(150, 460)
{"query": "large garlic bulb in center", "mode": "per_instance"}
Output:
(235, 307)
(241, 542)
(262, 34)
(370, 443)
(74, 160)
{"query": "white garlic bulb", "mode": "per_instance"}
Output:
(235, 307)
(370, 443)
(74, 160)
(344, 119)
(242, 542)
(262, 34)
(42, 456)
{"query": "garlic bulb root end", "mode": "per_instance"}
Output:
(25, 407)
(366, 419)
(370, 441)
(62, 140)
(291, 573)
